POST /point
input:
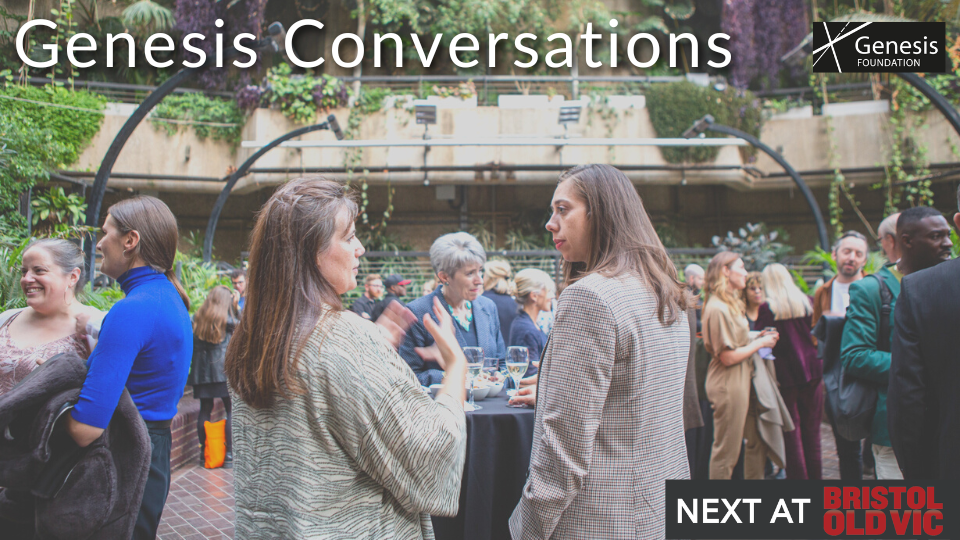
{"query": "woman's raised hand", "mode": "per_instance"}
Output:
(394, 323)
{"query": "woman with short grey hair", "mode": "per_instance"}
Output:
(457, 259)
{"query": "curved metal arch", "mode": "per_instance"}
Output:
(330, 124)
(707, 123)
(110, 158)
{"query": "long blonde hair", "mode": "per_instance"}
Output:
(716, 284)
(785, 299)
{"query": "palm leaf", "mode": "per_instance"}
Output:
(147, 17)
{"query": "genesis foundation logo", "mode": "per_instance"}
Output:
(879, 47)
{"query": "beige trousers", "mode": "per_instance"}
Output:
(730, 391)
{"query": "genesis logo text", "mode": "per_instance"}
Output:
(879, 47)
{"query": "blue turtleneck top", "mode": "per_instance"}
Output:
(145, 345)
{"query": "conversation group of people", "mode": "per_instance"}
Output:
(637, 376)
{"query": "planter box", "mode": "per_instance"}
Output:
(452, 102)
(627, 102)
(519, 101)
(795, 113)
(856, 108)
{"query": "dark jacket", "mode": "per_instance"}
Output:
(858, 349)
(507, 310)
(525, 333)
(383, 303)
(488, 334)
(207, 364)
(923, 406)
(52, 489)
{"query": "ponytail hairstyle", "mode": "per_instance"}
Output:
(496, 276)
(154, 221)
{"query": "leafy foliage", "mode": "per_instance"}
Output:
(761, 32)
(756, 246)
(11, 251)
(38, 139)
(147, 17)
(301, 96)
(57, 210)
(199, 16)
(196, 107)
(674, 107)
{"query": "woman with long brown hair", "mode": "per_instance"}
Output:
(333, 436)
(145, 343)
(609, 420)
(730, 375)
(213, 324)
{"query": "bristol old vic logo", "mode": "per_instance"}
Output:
(879, 47)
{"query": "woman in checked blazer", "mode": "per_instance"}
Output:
(609, 420)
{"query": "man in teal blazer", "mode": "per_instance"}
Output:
(923, 237)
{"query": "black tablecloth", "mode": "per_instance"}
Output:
(499, 439)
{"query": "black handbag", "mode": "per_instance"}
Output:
(851, 401)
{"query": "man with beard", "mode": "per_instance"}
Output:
(923, 407)
(850, 254)
(923, 239)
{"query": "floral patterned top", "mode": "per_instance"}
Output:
(17, 362)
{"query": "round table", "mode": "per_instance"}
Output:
(499, 439)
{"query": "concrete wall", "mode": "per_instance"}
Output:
(710, 203)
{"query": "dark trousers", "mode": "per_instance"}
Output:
(206, 409)
(699, 444)
(158, 485)
(849, 455)
(802, 445)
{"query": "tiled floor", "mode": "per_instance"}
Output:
(200, 504)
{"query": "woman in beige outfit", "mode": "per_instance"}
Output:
(730, 374)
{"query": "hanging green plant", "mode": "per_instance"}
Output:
(674, 107)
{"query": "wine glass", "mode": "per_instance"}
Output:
(474, 357)
(518, 359)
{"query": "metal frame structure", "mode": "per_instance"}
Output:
(110, 158)
(707, 124)
(242, 171)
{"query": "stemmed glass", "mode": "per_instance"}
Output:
(474, 357)
(518, 360)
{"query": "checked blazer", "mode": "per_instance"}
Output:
(609, 420)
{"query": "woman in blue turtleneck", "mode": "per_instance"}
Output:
(146, 341)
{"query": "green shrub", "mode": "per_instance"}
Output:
(196, 107)
(674, 107)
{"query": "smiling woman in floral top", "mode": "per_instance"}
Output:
(54, 321)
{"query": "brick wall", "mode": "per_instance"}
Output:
(186, 446)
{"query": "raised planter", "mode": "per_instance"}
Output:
(856, 108)
(627, 102)
(792, 114)
(520, 101)
(452, 102)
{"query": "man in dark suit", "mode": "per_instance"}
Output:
(923, 404)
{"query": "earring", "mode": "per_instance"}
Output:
(70, 303)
